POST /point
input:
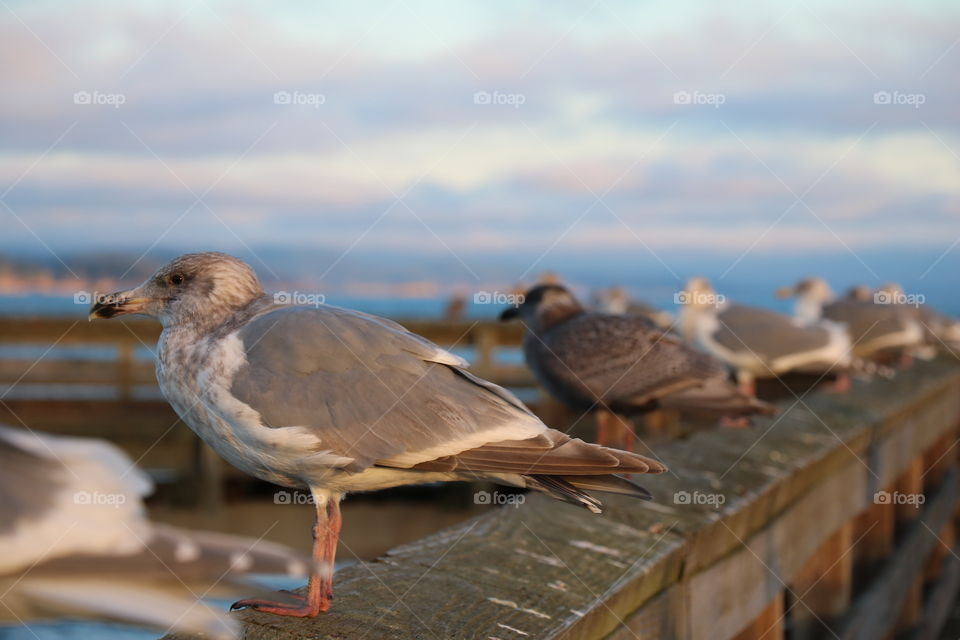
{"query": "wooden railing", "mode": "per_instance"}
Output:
(834, 519)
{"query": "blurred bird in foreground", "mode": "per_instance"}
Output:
(884, 332)
(76, 542)
(336, 400)
(759, 343)
(620, 364)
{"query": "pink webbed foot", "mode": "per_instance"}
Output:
(297, 606)
(742, 422)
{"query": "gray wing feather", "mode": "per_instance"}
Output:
(368, 388)
(767, 334)
(28, 484)
(867, 321)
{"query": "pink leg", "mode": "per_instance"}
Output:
(602, 417)
(629, 435)
(326, 532)
(743, 422)
(841, 385)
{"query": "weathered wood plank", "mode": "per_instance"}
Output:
(821, 592)
(768, 625)
(875, 613)
(941, 600)
(685, 571)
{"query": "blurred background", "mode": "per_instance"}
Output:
(423, 160)
(410, 150)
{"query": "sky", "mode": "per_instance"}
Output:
(470, 136)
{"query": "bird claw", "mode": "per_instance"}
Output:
(300, 608)
(741, 422)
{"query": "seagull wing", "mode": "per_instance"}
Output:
(767, 334)
(375, 393)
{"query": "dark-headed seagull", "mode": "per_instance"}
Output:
(619, 364)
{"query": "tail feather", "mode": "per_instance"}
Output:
(718, 395)
(557, 487)
(573, 489)
(609, 484)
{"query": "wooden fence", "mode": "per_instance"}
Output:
(835, 519)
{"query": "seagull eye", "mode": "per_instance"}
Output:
(176, 279)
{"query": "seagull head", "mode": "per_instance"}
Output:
(863, 293)
(698, 295)
(543, 306)
(202, 289)
(812, 289)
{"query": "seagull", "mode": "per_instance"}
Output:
(337, 401)
(875, 329)
(76, 541)
(759, 343)
(940, 332)
(619, 364)
(617, 301)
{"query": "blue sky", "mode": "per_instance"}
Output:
(661, 128)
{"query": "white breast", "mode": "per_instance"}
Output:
(196, 377)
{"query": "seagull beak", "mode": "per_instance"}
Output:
(117, 304)
(509, 313)
(786, 292)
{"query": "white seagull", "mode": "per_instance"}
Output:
(760, 343)
(876, 328)
(336, 401)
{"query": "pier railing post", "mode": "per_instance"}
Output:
(822, 591)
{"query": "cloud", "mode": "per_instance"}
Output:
(398, 116)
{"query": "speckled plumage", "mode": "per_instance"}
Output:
(621, 362)
(592, 360)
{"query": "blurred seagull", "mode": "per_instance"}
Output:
(940, 332)
(617, 301)
(760, 343)
(336, 400)
(76, 542)
(619, 364)
(875, 329)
